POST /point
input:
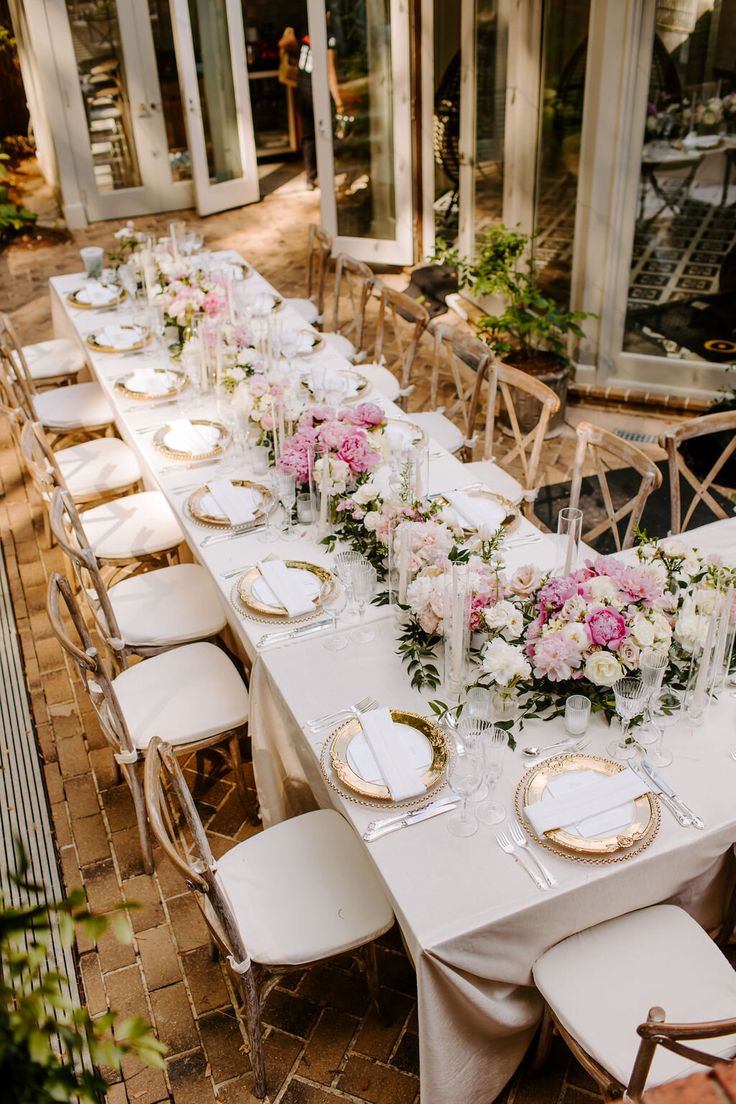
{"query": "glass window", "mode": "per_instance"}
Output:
(168, 77)
(490, 114)
(216, 92)
(446, 121)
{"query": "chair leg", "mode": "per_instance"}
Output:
(255, 1033)
(544, 1042)
(237, 763)
(370, 965)
(133, 776)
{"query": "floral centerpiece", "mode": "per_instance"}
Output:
(341, 440)
(128, 241)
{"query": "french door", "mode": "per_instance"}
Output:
(364, 151)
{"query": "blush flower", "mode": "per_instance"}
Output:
(607, 627)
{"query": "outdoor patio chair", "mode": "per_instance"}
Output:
(721, 451)
(144, 614)
(353, 285)
(319, 251)
(522, 401)
(47, 363)
(447, 361)
(69, 414)
(191, 698)
(294, 895)
(597, 984)
(599, 446)
(400, 324)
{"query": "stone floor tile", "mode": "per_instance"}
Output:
(146, 1085)
(281, 1052)
(62, 826)
(238, 1091)
(119, 808)
(127, 846)
(116, 1094)
(190, 1083)
(377, 1039)
(72, 756)
(406, 1056)
(346, 992)
(126, 993)
(188, 923)
(224, 1045)
(143, 891)
(291, 1013)
(158, 957)
(94, 986)
(376, 1083)
(174, 1020)
(101, 884)
(114, 954)
(327, 1046)
(105, 769)
(54, 781)
(205, 981)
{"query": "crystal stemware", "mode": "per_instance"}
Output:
(286, 487)
(334, 604)
(665, 711)
(494, 742)
(464, 774)
(363, 579)
(343, 566)
(652, 666)
(631, 699)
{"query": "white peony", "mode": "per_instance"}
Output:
(504, 662)
(603, 589)
(577, 632)
(499, 616)
(603, 669)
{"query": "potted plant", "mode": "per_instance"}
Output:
(530, 331)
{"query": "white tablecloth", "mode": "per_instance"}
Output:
(472, 920)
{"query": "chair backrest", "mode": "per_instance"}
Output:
(15, 391)
(16, 357)
(516, 393)
(68, 531)
(39, 459)
(12, 399)
(192, 857)
(405, 320)
(671, 440)
(454, 357)
(353, 283)
(82, 651)
(599, 446)
(655, 1031)
(319, 251)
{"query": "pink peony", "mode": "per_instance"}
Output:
(556, 657)
(606, 627)
(355, 450)
(213, 303)
(331, 435)
(365, 414)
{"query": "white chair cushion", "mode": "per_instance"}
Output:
(339, 344)
(173, 605)
(49, 359)
(602, 982)
(441, 429)
(98, 467)
(77, 407)
(185, 695)
(305, 308)
(383, 380)
(126, 528)
(498, 480)
(304, 890)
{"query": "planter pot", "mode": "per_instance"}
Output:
(548, 369)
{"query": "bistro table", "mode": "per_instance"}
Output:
(472, 921)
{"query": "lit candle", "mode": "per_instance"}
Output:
(174, 242)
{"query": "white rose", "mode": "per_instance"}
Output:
(602, 588)
(504, 662)
(515, 625)
(662, 629)
(366, 493)
(603, 669)
(643, 631)
(628, 653)
(673, 549)
(577, 632)
(371, 520)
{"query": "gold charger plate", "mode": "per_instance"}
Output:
(278, 303)
(146, 336)
(253, 605)
(379, 791)
(72, 299)
(194, 505)
(317, 342)
(151, 396)
(513, 515)
(361, 382)
(629, 841)
(217, 449)
(414, 433)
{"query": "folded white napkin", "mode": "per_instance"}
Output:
(582, 799)
(287, 587)
(304, 341)
(235, 503)
(97, 294)
(476, 511)
(182, 436)
(150, 381)
(119, 337)
(391, 754)
(263, 303)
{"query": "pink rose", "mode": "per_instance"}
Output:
(606, 627)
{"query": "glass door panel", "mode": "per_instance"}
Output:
(180, 165)
(364, 147)
(210, 48)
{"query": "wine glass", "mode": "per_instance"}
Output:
(493, 748)
(652, 665)
(478, 704)
(343, 566)
(631, 699)
(468, 737)
(464, 772)
(665, 711)
(336, 388)
(363, 579)
(286, 487)
(334, 603)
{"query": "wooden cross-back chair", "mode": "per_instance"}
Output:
(353, 285)
(671, 440)
(259, 899)
(319, 251)
(48, 363)
(12, 401)
(598, 446)
(114, 700)
(400, 323)
(465, 361)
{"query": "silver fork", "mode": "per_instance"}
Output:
(352, 712)
(521, 841)
(506, 845)
(328, 718)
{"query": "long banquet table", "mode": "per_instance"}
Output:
(472, 921)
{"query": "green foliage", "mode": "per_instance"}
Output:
(48, 1045)
(417, 651)
(13, 218)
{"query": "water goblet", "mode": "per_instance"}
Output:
(665, 711)
(334, 603)
(631, 699)
(494, 742)
(468, 737)
(577, 714)
(92, 259)
(652, 666)
(363, 579)
(343, 566)
(336, 388)
(286, 487)
(464, 777)
(478, 704)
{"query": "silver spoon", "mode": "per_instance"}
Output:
(532, 750)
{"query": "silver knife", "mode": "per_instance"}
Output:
(382, 822)
(272, 639)
(683, 820)
(410, 818)
(217, 538)
(695, 820)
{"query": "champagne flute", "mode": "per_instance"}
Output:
(665, 711)
(343, 566)
(464, 773)
(363, 578)
(631, 699)
(494, 742)
(652, 666)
